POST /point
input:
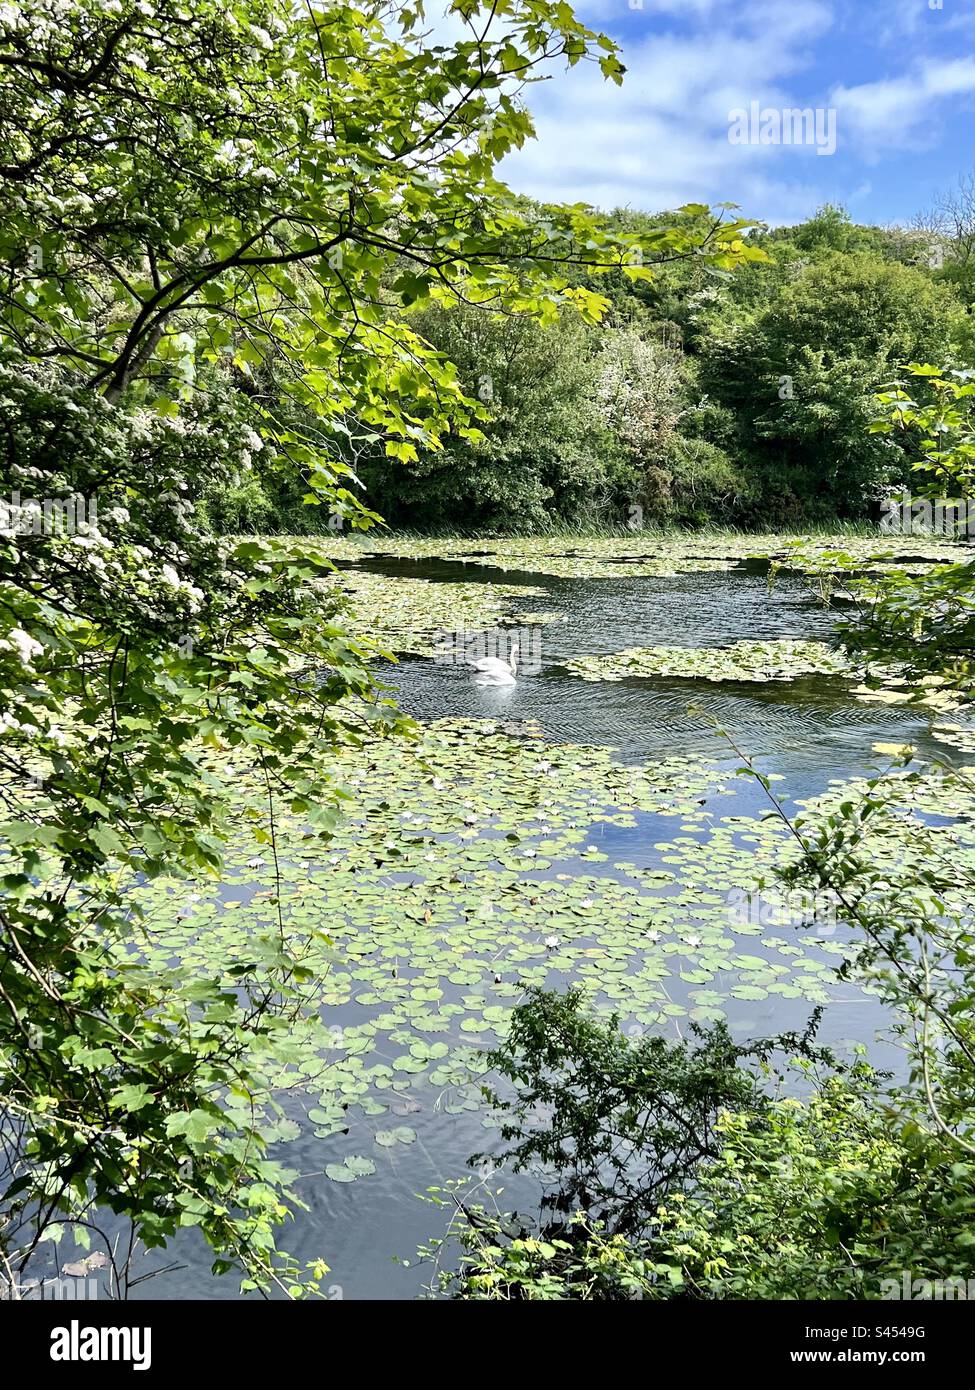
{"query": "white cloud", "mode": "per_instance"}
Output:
(662, 139)
(903, 111)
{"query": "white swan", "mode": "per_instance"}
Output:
(492, 670)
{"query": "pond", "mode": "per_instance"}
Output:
(557, 830)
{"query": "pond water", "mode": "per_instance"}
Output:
(387, 911)
(810, 729)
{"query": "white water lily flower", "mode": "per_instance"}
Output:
(256, 863)
(692, 941)
(587, 902)
(552, 942)
(652, 936)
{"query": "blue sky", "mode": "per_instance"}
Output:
(900, 76)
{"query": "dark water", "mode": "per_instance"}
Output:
(809, 731)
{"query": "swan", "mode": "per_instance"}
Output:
(493, 670)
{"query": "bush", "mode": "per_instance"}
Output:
(703, 486)
(241, 507)
(624, 1121)
(675, 1170)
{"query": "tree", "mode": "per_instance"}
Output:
(949, 228)
(645, 391)
(545, 452)
(801, 373)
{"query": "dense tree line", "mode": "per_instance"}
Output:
(702, 396)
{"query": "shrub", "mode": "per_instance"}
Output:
(682, 1170)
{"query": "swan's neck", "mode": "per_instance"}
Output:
(513, 662)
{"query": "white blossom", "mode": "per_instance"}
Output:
(26, 646)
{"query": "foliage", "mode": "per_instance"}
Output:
(749, 1195)
(940, 412)
(503, 1263)
(133, 643)
(724, 397)
(836, 1197)
(701, 484)
(639, 387)
(839, 1196)
(800, 374)
(925, 622)
(579, 423)
(621, 1122)
(665, 468)
(913, 921)
(218, 217)
(545, 451)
